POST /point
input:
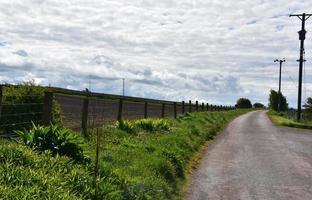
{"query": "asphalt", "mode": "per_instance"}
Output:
(253, 159)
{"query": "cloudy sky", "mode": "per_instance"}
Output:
(209, 50)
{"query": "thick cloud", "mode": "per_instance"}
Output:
(214, 51)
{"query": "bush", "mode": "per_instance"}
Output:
(243, 103)
(150, 125)
(57, 139)
(23, 104)
(307, 113)
(26, 92)
(125, 125)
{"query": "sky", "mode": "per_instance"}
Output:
(207, 50)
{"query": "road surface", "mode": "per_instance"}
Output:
(253, 159)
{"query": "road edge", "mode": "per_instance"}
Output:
(197, 158)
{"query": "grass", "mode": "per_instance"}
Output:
(282, 120)
(144, 163)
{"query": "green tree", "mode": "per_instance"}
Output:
(243, 103)
(274, 101)
(258, 105)
(307, 113)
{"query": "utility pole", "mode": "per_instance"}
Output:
(302, 34)
(123, 87)
(279, 83)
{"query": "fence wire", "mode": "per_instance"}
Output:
(19, 112)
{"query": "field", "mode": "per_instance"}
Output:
(140, 164)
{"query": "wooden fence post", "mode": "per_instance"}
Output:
(47, 108)
(119, 117)
(84, 120)
(196, 106)
(203, 106)
(175, 109)
(190, 106)
(145, 109)
(183, 107)
(163, 110)
(207, 106)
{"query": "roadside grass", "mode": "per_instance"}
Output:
(150, 161)
(25, 174)
(282, 120)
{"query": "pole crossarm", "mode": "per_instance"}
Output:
(300, 15)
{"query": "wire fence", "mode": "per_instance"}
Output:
(82, 110)
(306, 116)
(18, 113)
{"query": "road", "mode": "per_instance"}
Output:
(253, 159)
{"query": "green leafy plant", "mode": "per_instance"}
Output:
(57, 139)
(126, 126)
(150, 125)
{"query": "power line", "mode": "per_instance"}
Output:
(290, 77)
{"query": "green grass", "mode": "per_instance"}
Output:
(282, 120)
(145, 163)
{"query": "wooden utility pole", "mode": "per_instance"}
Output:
(279, 83)
(302, 34)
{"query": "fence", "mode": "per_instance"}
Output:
(18, 113)
(81, 110)
(305, 115)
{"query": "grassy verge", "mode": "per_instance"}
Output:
(143, 163)
(282, 120)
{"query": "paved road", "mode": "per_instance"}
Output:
(253, 159)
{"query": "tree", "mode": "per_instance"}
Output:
(258, 105)
(274, 101)
(243, 103)
(307, 113)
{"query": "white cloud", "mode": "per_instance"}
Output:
(207, 50)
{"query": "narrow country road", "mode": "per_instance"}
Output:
(253, 159)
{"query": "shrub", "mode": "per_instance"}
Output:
(243, 103)
(125, 125)
(22, 104)
(150, 125)
(307, 113)
(57, 139)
